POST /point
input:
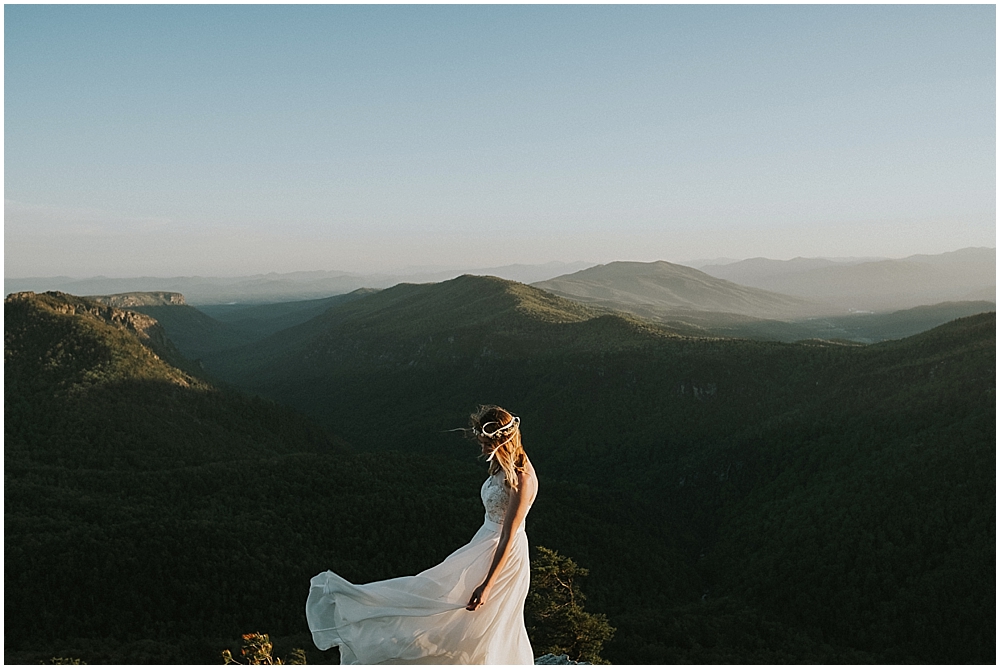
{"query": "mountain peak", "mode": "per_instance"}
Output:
(467, 299)
(664, 286)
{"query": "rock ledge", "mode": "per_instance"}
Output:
(556, 659)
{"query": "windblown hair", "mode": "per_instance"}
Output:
(509, 454)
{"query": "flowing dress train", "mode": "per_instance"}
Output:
(422, 619)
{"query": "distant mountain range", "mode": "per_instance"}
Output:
(273, 287)
(411, 323)
(701, 263)
(204, 332)
(669, 293)
(689, 301)
(662, 286)
(884, 285)
(792, 300)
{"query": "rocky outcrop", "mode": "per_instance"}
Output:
(145, 328)
(149, 299)
(549, 658)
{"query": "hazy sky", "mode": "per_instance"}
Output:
(221, 140)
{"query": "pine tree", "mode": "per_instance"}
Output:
(554, 614)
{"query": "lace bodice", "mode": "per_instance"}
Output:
(495, 496)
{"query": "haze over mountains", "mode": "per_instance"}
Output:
(966, 274)
(682, 299)
(273, 287)
(820, 299)
(799, 288)
(663, 285)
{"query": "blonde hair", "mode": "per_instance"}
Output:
(508, 453)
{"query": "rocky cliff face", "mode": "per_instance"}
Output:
(145, 328)
(149, 299)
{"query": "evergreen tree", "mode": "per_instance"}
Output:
(554, 614)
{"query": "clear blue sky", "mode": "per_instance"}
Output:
(221, 140)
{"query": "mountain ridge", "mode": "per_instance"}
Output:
(668, 286)
(466, 317)
(140, 299)
(882, 285)
(274, 286)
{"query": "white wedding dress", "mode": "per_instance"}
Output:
(422, 619)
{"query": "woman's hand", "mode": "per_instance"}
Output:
(479, 596)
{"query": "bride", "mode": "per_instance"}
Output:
(467, 610)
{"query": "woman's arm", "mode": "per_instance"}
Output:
(517, 509)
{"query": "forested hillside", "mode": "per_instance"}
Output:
(777, 470)
(132, 491)
(734, 501)
(152, 518)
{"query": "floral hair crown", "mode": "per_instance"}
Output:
(497, 430)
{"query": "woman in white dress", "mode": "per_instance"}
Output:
(467, 610)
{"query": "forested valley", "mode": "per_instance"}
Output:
(734, 501)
